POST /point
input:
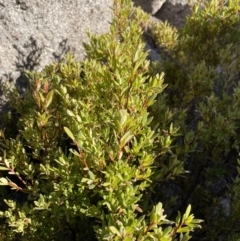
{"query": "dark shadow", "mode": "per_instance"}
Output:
(175, 14)
(64, 48)
(22, 4)
(28, 57)
(145, 6)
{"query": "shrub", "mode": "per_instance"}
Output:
(101, 146)
(85, 156)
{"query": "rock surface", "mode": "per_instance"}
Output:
(149, 6)
(174, 11)
(34, 33)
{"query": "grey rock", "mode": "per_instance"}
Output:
(178, 2)
(149, 6)
(153, 54)
(153, 51)
(35, 33)
(175, 12)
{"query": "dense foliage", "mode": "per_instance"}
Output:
(102, 147)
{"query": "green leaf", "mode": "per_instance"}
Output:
(185, 216)
(61, 161)
(167, 231)
(189, 219)
(70, 113)
(197, 221)
(3, 181)
(153, 216)
(124, 115)
(178, 219)
(140, 219)
(6, 162)
(159, 209)
(193, 225)
(137, 53)
(91, 175)
(69, 133)
(127, 239)
(195, 8)
(89, 182)
(3, 168)
(49, 98)
(171, 128)
(85, 179)
(184, 230)
(115, 231)
(91, 186)
(11, 173)
(74, 152)
(125, 139)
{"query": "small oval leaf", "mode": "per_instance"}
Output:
(3, 181)
(69, 133)
(115, 231)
